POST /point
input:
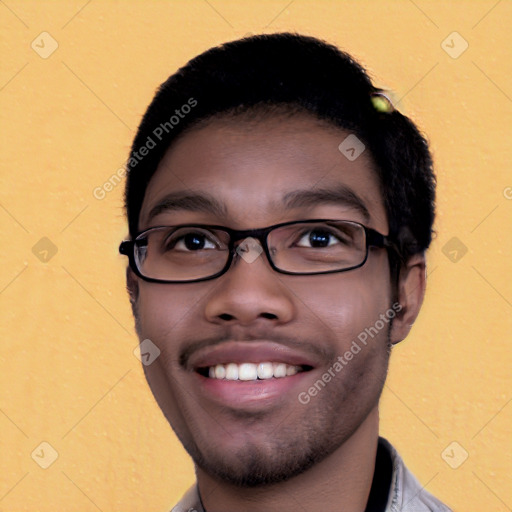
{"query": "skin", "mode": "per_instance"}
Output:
(318, 455)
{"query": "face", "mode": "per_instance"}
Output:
(266, 430)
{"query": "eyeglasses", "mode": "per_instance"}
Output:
(197, 252)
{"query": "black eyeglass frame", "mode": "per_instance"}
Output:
(372, 237)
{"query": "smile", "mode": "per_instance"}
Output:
(251, 371)
(252, 375)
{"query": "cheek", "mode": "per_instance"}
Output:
(346, 304)
(163, 311)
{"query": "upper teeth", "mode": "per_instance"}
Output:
(251, 371)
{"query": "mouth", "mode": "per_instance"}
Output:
(251, 371)
(249, 375)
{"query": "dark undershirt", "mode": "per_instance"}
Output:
(381, 482)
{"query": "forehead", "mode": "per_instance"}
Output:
(251, 169)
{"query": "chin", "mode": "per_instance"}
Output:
(250, 468)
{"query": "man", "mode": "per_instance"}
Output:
(279, 210)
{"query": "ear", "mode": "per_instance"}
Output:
(411, 290)
(132, 285)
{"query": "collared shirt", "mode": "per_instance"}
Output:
(405, 492)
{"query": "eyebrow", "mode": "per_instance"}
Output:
(206, 203)
(192, 202)
(339, 195)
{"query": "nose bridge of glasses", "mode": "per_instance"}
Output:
(249, 244)
(245, 239)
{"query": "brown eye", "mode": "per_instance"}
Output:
(190, 241)
(321, 237)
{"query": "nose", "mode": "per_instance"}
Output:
(250, 290)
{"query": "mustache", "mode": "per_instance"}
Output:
(318, 351)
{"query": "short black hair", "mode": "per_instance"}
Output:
(300, 73)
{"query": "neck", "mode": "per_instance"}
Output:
(342, 481)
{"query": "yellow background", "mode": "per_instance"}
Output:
(69, 376)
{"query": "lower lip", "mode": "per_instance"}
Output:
(255, 393)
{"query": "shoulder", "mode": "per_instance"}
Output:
(406, 493)
(190, 502)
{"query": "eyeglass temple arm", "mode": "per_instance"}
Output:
(125, 247)
(374, 238)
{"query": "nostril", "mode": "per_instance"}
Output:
(270, 316)
(226, 316)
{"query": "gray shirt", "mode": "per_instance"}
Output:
(406, 493)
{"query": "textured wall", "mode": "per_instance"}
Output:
(68, 374)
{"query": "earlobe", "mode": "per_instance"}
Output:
(132, 285)
(411, 290)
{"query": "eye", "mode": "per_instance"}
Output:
(322, 237)
(192, 241)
